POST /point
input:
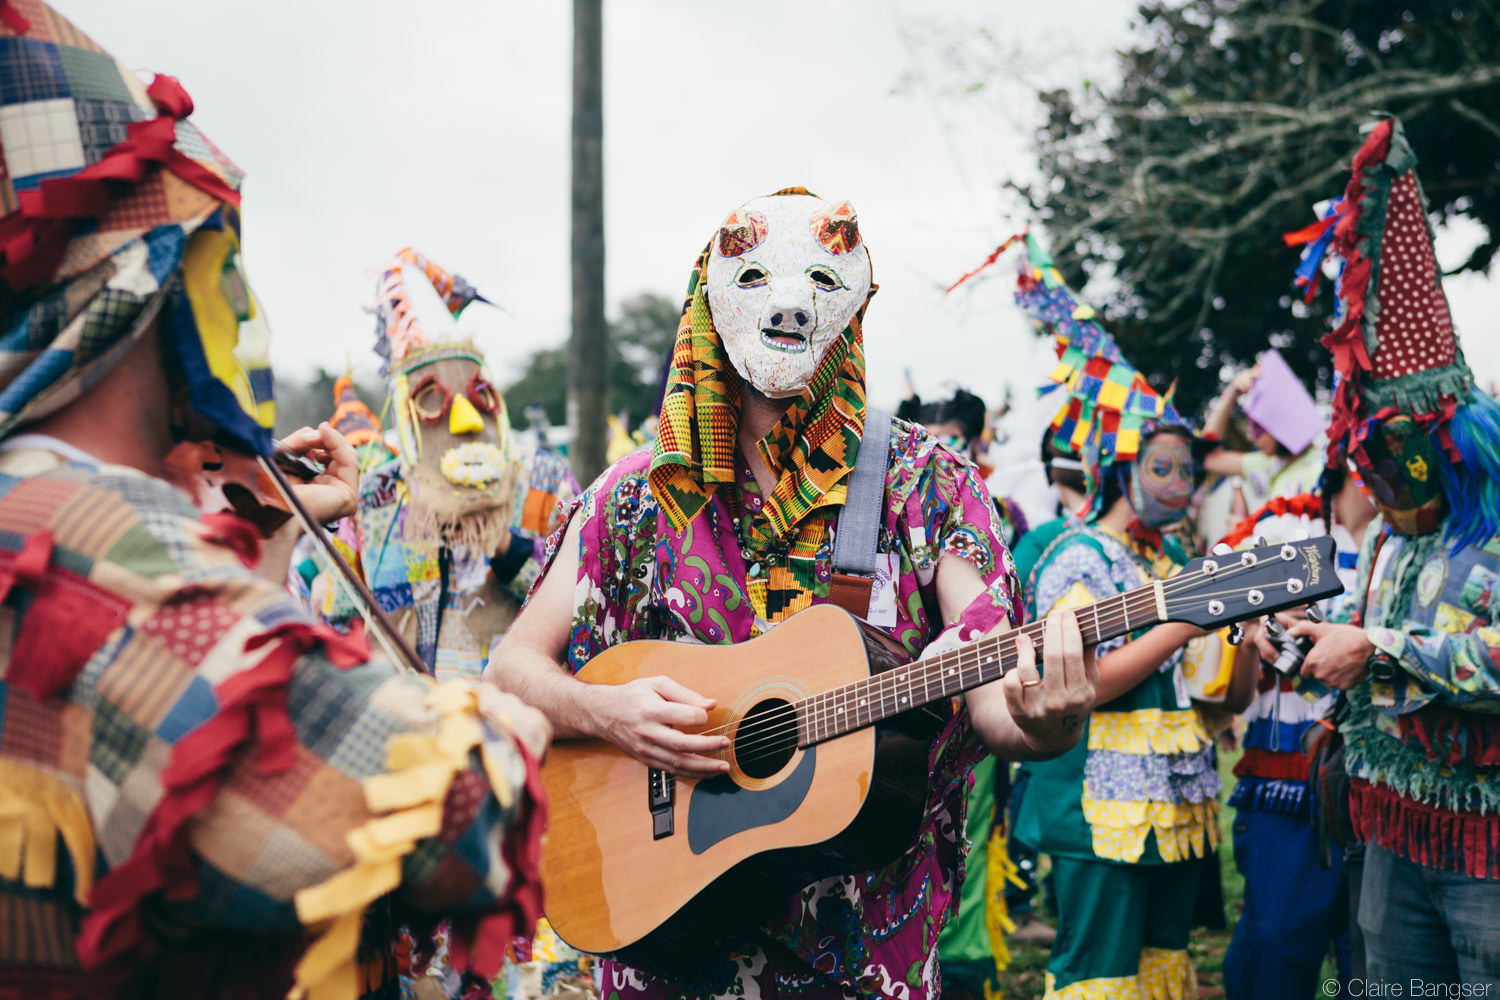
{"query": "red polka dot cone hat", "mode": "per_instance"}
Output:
(1394, 348)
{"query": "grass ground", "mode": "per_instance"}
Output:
(1025, 978)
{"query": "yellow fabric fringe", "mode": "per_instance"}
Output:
(406, 804)
(1148, 730)
(1120, 828)
(35, 809)
(998, 870)
(1162, 974)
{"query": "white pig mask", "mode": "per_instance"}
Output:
(786, 275)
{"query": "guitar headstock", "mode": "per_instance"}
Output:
(1218, 589)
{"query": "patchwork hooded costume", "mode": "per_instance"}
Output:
(449, 534)
(680, 543)
(1423, 743)
(1121, 812)
(202, 791)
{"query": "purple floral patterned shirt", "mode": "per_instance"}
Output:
(872, 934)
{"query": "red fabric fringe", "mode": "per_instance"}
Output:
(66, 622)
(252, 709)
(1463, 842)
(1347, 342)
(1451, 737)
(1278, 765)
(34, 238)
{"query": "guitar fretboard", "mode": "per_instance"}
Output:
(866, 702)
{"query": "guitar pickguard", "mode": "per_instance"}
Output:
(718, 808)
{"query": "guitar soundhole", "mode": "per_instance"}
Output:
(766, 738)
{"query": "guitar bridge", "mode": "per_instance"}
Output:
(661, 793)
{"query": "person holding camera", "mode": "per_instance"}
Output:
(1295, 892)
(1421, 667)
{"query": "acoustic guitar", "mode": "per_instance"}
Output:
(829, 727)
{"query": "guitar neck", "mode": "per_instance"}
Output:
(866, 702)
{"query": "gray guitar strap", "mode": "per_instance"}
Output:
(858, 530)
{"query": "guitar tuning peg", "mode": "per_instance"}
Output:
(1261, 542)
(1222, 549)
(1236, 635)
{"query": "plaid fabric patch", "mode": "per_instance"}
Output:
(94, 76)
(30, 71)
(104, 124)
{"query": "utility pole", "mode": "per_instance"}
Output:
(588, 354)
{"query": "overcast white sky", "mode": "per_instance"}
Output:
(367, 125)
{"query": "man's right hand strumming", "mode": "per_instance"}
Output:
(642, 717)
(639, 717)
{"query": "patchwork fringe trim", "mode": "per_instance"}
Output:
(112, 941)
(1255, 794)
(1463, 842)
(406, 804)
(1162, 974)
(36, 809)
(1183, 829)
(1148, 730)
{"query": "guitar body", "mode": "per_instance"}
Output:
(645, 865)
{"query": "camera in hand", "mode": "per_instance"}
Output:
(1291, 650)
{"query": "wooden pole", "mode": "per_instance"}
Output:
(588, 356)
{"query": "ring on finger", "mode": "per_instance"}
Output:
(1031, 684)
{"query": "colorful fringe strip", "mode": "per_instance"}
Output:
(1464, 842)
(1451, 737)
(1147, 730)
(1162, 975)
(1182, 828)
(1255, 794)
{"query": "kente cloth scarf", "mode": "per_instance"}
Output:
(811, 449)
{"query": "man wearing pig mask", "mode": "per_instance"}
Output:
(729, 525)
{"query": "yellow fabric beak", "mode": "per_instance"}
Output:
(463, 418)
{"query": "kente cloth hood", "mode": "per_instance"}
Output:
(1394, 348)
(117, 210)
(812, 449)
(1110, 407)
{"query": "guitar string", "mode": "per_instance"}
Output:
(784, 728)
(1007, 660)
(1144, 599)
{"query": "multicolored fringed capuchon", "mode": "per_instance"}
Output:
(202, 791)
(1110, 406)
(1423, 749)
(449, 534)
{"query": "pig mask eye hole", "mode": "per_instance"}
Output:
(751, 276)
(825, 279)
